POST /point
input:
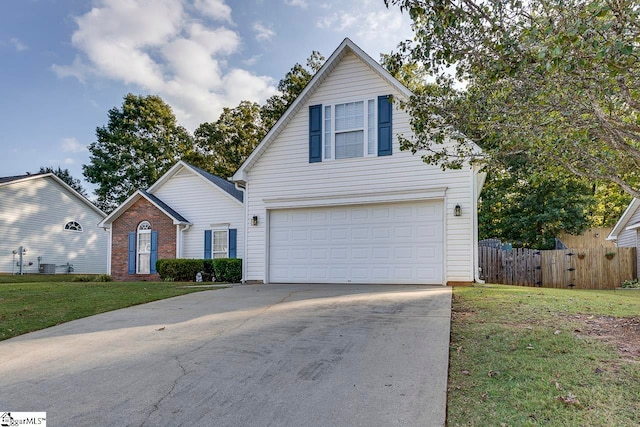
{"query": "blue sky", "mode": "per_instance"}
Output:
(65, 63)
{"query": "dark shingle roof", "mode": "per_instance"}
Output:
(225, 185)
(164, 206)
(17, 177)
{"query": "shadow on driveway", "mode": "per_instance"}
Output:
(311, 355)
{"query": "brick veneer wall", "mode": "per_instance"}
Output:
(142, 210)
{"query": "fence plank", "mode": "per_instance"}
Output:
(584, 268)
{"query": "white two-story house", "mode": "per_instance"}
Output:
(331, 198)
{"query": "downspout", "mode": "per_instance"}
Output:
(478, 183)
(179, 239)
(245, 223)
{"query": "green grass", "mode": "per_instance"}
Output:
(29, 306)
(515, 351)
(30, 278)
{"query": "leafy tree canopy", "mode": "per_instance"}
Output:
(529, 208)
(222, 146)
(65, 176)
(141, 141)
(559, 80)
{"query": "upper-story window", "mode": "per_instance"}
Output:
(73, 226)
(352, 129)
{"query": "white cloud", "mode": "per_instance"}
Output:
(299, 3)
(262, 32)
(373, 26)
(18, 45)
(215, 9)
(166, 48)
(71, 145)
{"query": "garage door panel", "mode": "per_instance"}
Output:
(390, 243)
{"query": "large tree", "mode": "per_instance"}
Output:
(65, 176)
(141, 141)
(558, 78)
(222, 146)
(529, 208)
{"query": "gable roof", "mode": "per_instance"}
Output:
(346, 47)
(8, 180)
(623, 222)
(154, 200)
(222, 184)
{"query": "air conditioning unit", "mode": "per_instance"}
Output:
(47, 269)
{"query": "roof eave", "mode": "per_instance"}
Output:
(347, 45)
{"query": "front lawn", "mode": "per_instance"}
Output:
(29, 306)
(533, 356)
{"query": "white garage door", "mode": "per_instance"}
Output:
(385, 243)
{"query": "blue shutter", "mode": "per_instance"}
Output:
(207, 244)
(384, 125)
(233, 247)
(154, 251)
(315, 133)
(132, 254)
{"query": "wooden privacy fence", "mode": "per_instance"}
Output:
(574, 268)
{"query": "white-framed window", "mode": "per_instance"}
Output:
(349, 130)
(220, 243)
(143, 248)
(73, 226)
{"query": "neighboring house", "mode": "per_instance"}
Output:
(625, 233)
(187, 213)
(330, 198)
(55, 226)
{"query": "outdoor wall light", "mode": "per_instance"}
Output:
(254, 220)
(457, 211)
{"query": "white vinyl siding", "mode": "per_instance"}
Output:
(627, 238)
(205, 206)
(284, 171)
(33, 214)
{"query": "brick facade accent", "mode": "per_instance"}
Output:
(142, 210)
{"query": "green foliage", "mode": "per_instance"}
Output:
(518, 355)
(222, 146)
(631, 284)
(181, 269)
(141, 141)
(103, 278)
(65, 176)
(28, 307)
(558, 79)
(530, 208)
(228, 269)
(82, 279)
(223, 269)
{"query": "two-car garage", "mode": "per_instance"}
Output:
(376, 243)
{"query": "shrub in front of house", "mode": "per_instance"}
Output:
(227, 269)
(181, 270)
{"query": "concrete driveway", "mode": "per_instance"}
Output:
(264, 355)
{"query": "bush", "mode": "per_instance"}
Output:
(180, 269)
(223, 269)
(82, 279)
(228, 269)
(631, 284)
(103, 278)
